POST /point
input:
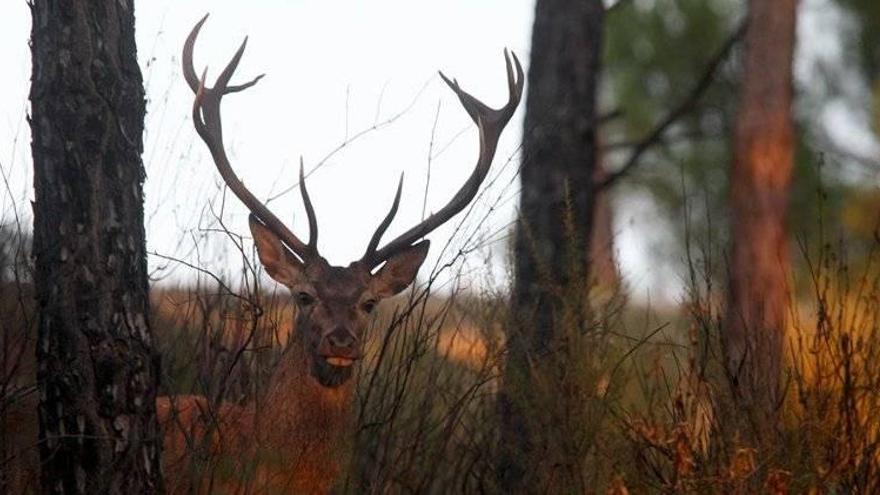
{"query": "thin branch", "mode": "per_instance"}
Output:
(685, 107)
(696, 134)
(430, 158)
(204, 271)
(355, 137)
(610, 116)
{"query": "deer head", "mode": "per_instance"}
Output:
(334, 303)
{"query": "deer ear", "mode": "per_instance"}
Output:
(400, 270)
(278, 261)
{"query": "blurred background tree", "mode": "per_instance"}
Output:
(758, 299)
(655, 53)
(551, 260)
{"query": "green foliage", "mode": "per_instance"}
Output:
(864, 40)
(656, 51)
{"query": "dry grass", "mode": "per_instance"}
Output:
(634, 405)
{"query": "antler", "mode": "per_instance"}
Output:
(490, 123)
(206, 118)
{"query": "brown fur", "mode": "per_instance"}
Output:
(291, 440)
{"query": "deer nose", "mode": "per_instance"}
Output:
(340, 338)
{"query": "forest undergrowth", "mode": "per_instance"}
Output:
(631, 399)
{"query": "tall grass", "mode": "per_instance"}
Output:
(696, 436)
(17, 347)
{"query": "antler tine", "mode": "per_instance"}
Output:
(189, 72)
(208, 124)
(377, 235)
(491, 117)
(310, 210)
(490, 123)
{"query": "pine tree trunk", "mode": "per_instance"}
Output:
(762, 171)
(556, 206)
(98, 371)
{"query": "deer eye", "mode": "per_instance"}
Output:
(305, 299)
(368, 305)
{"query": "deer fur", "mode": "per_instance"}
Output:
(291, 440)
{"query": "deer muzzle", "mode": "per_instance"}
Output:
(339, 348)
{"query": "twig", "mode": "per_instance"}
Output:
(354, 137)
(430, 159)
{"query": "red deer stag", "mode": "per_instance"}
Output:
(306, 409)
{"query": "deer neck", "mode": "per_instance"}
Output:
(297, 434)
(296, 409)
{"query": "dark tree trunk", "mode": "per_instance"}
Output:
(97, 369)
(760, 179)
(559, 149)
(556, 206)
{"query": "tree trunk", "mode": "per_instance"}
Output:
(97, 371)
(762, 170)
(553, 238)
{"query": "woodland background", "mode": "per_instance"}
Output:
(633, 390)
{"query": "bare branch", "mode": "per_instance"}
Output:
(684, 108)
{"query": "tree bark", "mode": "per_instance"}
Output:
(97, 370)
(760, 179)
(556, 206)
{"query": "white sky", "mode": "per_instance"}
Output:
(332, 68)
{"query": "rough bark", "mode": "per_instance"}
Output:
(97, 371)
(760, 178)
(556, 206)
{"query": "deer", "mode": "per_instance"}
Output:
(307, 407)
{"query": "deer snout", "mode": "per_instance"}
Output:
(340, 347)
(341, 338)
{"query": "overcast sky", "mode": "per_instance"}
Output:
(333, 69)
